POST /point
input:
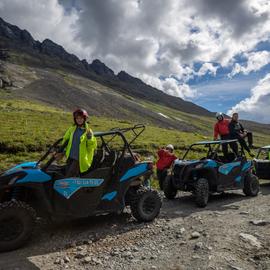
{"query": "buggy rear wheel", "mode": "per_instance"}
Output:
(202, 192)
(169, 191)
(145, 204)
(17, 221)
(251, 185)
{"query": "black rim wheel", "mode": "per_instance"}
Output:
(11, 228)
(148, 205)
(254, 185)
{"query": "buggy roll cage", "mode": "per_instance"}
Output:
(137, 130)
(213, 146)
(263, 148)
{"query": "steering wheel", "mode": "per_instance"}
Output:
(58, 148)
(54, 149)
(215, 157)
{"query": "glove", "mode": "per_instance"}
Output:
(89, 134)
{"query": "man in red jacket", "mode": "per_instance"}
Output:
(165, 160)
(221, 129)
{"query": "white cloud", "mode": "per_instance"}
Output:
(150, 38)
(172, 87)
(207, 68)
(257, 106)
(255, 61)
(45, 19)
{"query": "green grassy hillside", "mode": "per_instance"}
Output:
(28, 128)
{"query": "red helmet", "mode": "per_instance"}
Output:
(80, 112)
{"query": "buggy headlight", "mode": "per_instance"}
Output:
(13, 180)
(200, 165)
(15, 177)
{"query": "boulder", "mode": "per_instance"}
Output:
(251, 240)
(260, 222)
(195, 235)
(5, 81)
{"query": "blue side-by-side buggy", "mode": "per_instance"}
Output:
(40, 189)
(212, 173)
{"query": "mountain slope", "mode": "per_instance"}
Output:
(48, 54)
(44, 71)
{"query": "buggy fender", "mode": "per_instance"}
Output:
(37, 194)
(209, 173)
(136, 171)
(21, 166)
(249, 165)
(127, 180)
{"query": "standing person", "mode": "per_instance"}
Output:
(81, 144)
(165, 160)
(238, 132)
(221, 129)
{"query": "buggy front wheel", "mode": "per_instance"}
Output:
(17, 221)
(169, 191)
(251, 185)
(145, 204)
(202, 192)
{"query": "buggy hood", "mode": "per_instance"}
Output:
(21, 166)
(185, 162)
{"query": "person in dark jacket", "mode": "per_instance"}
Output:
(165, 160)
(238, 132)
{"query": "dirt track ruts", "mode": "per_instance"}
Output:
(183, 237)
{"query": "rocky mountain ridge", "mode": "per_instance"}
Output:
(49, 54)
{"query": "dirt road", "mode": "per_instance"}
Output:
(232, 232)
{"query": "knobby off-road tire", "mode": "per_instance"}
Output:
(17, 220)
(251, 185)
(145, 204)
(169, 191)
(202, 192)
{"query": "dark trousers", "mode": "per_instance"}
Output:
(243, 144)
(233, 146)
(225, 145)
(161, 175)
(250, 138)
(73, 168)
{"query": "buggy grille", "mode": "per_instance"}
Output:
(177, 171)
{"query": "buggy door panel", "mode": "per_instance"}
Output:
(230, 174)
(113, 197)
(80, 196)
(125, 163)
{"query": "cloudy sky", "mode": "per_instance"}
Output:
(215, 53)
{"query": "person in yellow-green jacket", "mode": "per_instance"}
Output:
(81, 145)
